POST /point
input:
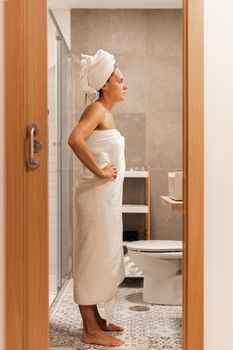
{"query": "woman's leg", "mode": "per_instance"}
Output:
(92, 332)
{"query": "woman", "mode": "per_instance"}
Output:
(98, 266)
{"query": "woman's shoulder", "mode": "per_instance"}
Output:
(94, 107)
(94, 110)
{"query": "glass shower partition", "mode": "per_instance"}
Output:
(60, 159)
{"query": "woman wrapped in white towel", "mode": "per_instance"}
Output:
(98, 260)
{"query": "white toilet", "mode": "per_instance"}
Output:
(161, 262)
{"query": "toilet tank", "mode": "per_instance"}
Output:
(175, 185)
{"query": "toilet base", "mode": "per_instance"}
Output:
(163, 291)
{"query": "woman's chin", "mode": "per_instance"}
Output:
(121, 98)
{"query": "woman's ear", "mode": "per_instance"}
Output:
(104, 87)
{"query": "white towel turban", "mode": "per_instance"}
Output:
(95, 71)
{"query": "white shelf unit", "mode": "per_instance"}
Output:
(140, 208)
(134, 208)
(136, 173)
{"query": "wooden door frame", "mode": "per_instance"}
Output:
(20, 318)
(193, 157)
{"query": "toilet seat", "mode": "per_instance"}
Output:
(156, 246)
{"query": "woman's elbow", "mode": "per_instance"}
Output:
(73, 141)
(70, 141)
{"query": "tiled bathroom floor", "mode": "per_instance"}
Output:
(147, 326)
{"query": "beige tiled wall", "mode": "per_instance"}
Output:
(147, 45)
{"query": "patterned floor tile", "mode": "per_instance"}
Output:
(147, 326)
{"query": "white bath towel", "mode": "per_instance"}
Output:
(98, 266)
(95, 72)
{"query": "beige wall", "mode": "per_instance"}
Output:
(147, 47)
(63, 20)
(218, 174)
(2, 187)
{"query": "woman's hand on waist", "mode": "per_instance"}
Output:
(108, 171)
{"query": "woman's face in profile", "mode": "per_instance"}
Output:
(116, 87)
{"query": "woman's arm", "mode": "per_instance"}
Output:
(89, 120)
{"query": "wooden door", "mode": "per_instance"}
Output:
(27, 189)
(27, 198)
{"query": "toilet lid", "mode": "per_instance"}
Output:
(156, 245)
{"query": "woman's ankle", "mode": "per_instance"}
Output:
(91, 328)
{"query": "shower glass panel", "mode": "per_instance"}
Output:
(60, 159)
(66, 162)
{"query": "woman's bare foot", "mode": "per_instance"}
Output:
(111, 327)
(99, 337)
(103, 325)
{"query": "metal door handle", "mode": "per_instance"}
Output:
(35, 146)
